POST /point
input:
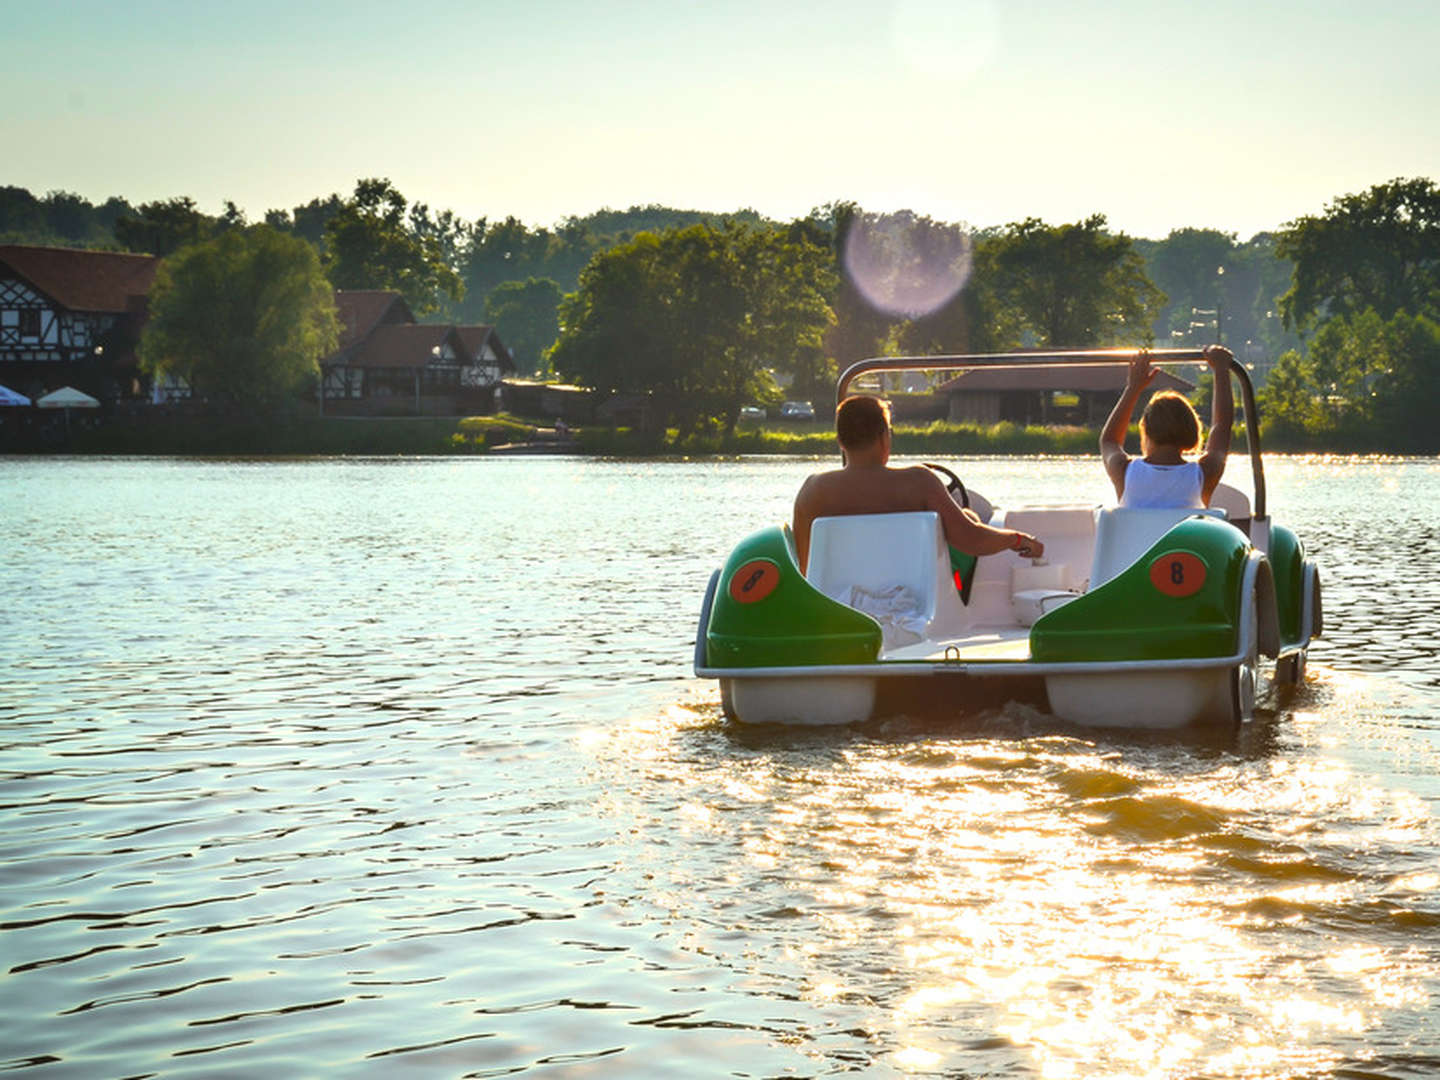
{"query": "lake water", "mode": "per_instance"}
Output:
(361, 767)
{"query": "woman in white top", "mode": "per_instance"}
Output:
(1169, 429)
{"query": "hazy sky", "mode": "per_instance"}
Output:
(1238, 115)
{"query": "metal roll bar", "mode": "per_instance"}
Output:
(1059, 358)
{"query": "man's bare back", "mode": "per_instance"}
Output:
(868, 485)
(876, 489)
(880, 489)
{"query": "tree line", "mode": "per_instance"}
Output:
(702, 311)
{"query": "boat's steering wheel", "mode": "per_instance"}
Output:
(952, 483)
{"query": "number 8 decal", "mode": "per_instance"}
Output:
(1178, 573)
(754, 581)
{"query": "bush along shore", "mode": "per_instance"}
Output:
(294, 433)
(301, 434)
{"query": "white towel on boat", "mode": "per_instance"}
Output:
(896, 609)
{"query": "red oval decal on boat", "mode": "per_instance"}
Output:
(754, 581)
(1178, 573)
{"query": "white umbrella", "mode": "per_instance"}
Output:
(67, 397)
(10, 397)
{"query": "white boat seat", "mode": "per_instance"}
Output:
(863, 560)
(1123, 534)
(1232, 500)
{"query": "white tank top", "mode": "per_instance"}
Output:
(1149, 485)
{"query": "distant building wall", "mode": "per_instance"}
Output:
(545, 401)
(975, 408)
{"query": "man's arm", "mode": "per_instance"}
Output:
(1222, 420)
(801, 518)
(965, 531)
(1112, 436)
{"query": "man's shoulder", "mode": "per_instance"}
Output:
(917, 477)
(912, 470)
(822, 479)
(817, 485)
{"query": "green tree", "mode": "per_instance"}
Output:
(61, 217)
(695, 316)
(1379, 380)
(570, 248)
(72, 219)
(243, 318)
(789, 278)
(610, 327)
(307, 221)
(1191, 267)
(1379, 249)
(525, 313)
(1067, 285)
(22, 218)
(1259, 277)
(505, 251)
(1287, 402)
(372, 243)
(448, 235)
(163, 227)
(1346, 359)
(1407, 394)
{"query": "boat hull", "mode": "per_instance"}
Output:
(1116, 657)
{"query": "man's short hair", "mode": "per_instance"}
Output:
(1170, 420)
(861, 420)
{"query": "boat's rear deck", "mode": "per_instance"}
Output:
(992, 643)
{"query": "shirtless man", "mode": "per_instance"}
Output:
(868, 485)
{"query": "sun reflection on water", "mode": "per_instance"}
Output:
(1051, 904)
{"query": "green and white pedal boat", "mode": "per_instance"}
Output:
(1135, 618)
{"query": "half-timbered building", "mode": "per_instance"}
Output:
(72, 318)
(387, 363)
(490, 361)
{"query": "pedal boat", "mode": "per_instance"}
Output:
(1135, 618)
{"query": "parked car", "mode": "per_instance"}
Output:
(752, 412)
(797, 410)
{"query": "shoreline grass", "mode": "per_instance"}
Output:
(300, 434)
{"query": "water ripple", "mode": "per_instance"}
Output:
(342, 767)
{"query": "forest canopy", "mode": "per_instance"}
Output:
(1337, 307)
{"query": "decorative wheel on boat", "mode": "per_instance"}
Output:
(727, 700)
(1290, 670)
(1242, 678)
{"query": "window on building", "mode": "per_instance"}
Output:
(30, 322)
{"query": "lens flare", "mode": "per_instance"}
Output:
(905, 265)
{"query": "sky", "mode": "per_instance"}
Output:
(1236, 115)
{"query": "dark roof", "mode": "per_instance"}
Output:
(361, 310)
(1069, 377)
(406, 345)
(475, 338)
(83, 280)
(623, 403)
(377, 329)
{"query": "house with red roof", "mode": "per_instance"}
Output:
(70, 317)
(388, 364)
